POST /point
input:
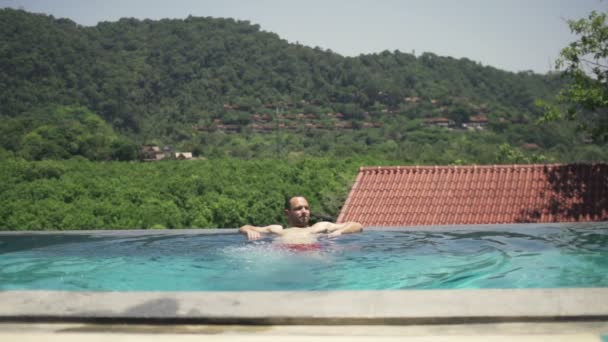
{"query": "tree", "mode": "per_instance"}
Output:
(585, 64)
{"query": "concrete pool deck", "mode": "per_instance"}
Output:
(522, 332)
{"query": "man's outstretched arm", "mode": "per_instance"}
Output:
(254, 233)
(338, 228)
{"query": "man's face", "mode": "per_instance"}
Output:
(299, 213)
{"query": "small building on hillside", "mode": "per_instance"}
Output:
(440, 122)
(183, 155)
(476, 122)
(493, 194)
(152, 153)
(168, 150)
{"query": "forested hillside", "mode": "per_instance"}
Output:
(226, 88)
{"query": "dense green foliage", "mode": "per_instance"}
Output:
(80, 194)
(59, 132)
(586, 68)
(131, 72)
(158, 81)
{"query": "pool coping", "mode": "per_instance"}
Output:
(303, 307)
(125, 232)
(309, 307)
(212, 231)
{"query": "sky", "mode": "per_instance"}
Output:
(513, 35)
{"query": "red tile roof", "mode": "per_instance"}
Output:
(440, 195)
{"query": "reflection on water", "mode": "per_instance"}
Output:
(521, 256)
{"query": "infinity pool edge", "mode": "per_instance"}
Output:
(310, 307)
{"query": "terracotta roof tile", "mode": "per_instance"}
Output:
(432, 195)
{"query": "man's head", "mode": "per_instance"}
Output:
(297, 211)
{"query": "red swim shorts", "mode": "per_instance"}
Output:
(301, 247)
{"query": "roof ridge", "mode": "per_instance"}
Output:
(473, 166)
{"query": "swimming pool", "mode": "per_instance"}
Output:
(457, 257)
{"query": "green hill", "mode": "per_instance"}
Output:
(220, 87)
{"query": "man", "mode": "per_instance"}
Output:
(299, 232)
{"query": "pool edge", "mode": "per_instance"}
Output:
(309, 307)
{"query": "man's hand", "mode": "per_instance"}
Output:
(335, 233)
(253, 235)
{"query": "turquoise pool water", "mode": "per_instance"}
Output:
(520, 256)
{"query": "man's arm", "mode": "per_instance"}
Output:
(336, 229)
(254, 233)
